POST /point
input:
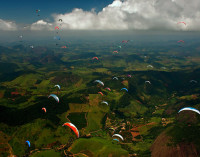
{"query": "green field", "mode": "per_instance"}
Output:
(140, 115)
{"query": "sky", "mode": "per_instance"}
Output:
(23, 11)
(168, 15)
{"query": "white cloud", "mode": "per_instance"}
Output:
(131, 15)
(7, 25)
(41, 25)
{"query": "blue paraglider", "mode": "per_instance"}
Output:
(29, 144)
(125, 89)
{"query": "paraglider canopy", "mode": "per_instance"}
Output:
(193, 81)
(118, 135)
(29, 144)
(105, 102)
(180, 41)
(148, 82)
(100, 82)
(73, 127)
(56, 27)
(57, 86)
(54, 96)
(115, 78)
(149, 66)
(182, 22)
(44, 109)
(189, 109)
(100, 93)
(108, 88)
(56, 37)
(95, 58)
(125, 89)
(116, 139)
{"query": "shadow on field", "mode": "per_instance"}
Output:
(14, 117)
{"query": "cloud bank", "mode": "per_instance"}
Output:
(41, 25)
(7, 25)
(126, 15)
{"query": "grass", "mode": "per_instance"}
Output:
(49, 153)
(98, 147)
(26, 80)
(94, 121)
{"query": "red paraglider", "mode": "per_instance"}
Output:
(56, 27)
(100, 93)
(180, 41)
(95, 58)
(73, 127)
(182, 22)
(124, 41)
(44, 109)
(108, 88)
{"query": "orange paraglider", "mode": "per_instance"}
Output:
(100, 93)
(73, 127)
(95, 58)
(44, 109)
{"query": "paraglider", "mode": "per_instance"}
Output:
(115, 78)
(54, 96)
(57, 86)
(73, 127)
(100, 93)
(120, 47)
(44, 109)
(125, 89)
(194, 81)
(60, 20)
(104, 102)
(116, 139)
(129, 76)
(56, 38)
(95, 58)
(29, 144)
(100, 82)
(148, 82)
(31, 46)
(118, 135)
(181, 22)
(20, 37)
(124, 41)
(108, 88)
(163, 67)
(189, 109)
(64, 47)
(180, 41)
(56, 27)
(112, 129)
(37, 12)
(149, 66)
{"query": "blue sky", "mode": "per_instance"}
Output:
(23, 11)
